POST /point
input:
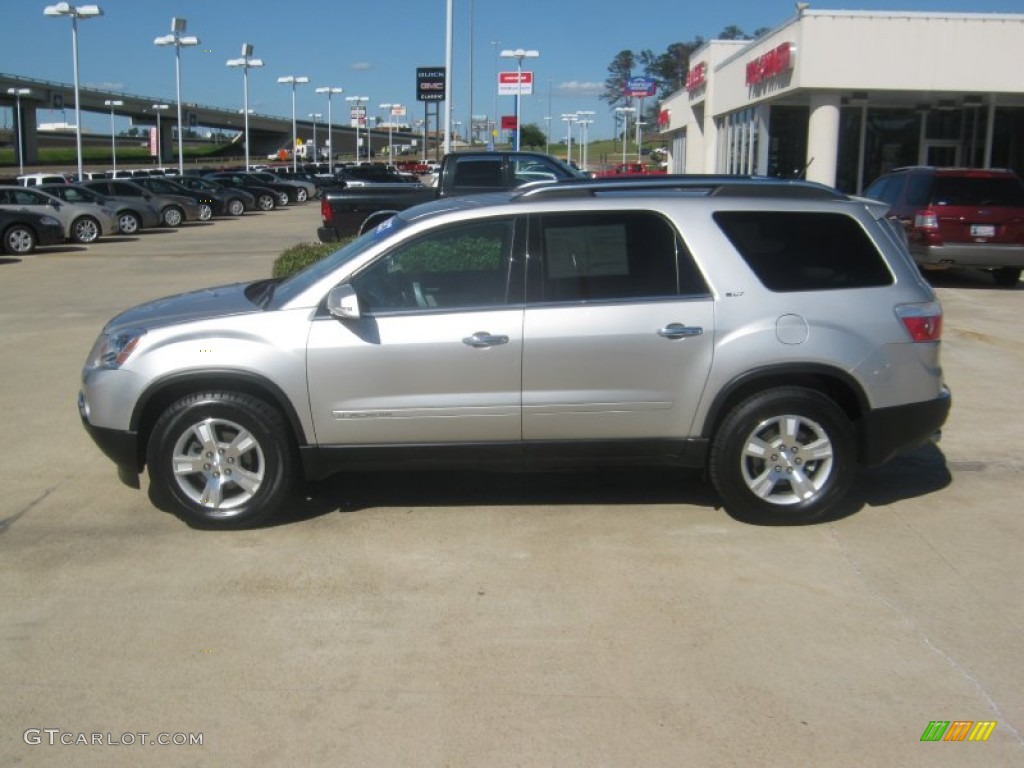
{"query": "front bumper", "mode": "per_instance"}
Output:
(120, 446)
(887, 432)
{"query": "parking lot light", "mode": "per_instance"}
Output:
(113, 138)
(294, 80)
(246, 62)
(177, 39)
(159, 108)
(330, 91)
(17, 93)
(357, 101)
(75, 13)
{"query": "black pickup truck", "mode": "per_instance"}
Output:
(349, 211)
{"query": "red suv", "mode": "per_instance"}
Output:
(959, 217)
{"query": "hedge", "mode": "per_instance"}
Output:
(301, 256)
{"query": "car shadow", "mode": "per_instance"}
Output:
(970, 279)
(918, 473)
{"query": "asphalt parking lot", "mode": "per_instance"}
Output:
(463, 619)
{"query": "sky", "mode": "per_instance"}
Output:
(373, 51)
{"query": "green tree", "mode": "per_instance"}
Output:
(530, 135)
(619, 72)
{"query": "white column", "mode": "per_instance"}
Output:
(823, 138)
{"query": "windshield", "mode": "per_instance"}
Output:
(293, 286)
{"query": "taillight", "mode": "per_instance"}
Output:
(926, 220)
(922, 321)
(326, 212)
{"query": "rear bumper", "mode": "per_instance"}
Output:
(975, 255)
(890, 431)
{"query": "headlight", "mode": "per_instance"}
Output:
(112, 350)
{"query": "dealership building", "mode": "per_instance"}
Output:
(840, 97)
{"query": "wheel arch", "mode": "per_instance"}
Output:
(164, 392)
(835, 384)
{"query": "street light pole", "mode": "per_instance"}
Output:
(177, 39)
(315, 116)
(76, 13)
(17, 93)
(519, 54)
(585, 117)
(330, 91)
(294, 80)
(568, 120)
(246, 62)
(391, 146)
(113, 139)
(624, 111)
(357, 100)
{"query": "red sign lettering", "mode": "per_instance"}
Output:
(772, 64)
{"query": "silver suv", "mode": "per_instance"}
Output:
(776, 333)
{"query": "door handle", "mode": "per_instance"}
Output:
(680, 331)
(482, 339)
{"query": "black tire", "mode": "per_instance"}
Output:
(231, 486)
(1006, 277)
(85, 229)
(301, 195)
(265, 202)
(235, 206)
(205, 211)
(129, 222)
(282, 198)
(783, 456)
(172, 216)
(19, 240)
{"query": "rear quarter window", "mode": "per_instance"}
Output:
(805, 251)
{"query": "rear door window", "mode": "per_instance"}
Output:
(976, 191)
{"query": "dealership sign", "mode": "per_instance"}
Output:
(776, 62)
(697, 77)
(515, 83)
(638, 87)
(430, 83)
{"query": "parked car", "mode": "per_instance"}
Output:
(132, 214)
(161, 185)
(35, 179)
(302, 189)
(233, 201)
(174, 209)
(82, 223)
(959, 217)
(281, 191)
(22, 231)
(267, 199)
(776, 333)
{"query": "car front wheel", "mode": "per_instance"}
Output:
(783, 456)
(301, 195)
(173, 216)
(85, 229)
(129, 223)
(19, 240)
(221, 460)
(266, 202)
(236, 207)
(205, 211)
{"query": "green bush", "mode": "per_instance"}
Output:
(301, 256)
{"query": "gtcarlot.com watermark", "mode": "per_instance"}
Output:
(58, 736)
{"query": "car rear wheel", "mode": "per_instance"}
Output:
(85, 229)
(783, 456)
(236, 207)
(19, 240)
(128, 223)
(265, 202)
(173, 216)
(221, 459)
(1006, 277)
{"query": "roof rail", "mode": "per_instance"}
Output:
(704, 185)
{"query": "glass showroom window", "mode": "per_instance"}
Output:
(739, 136)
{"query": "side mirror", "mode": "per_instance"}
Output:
(343, 303)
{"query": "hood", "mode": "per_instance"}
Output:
(186, 307)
